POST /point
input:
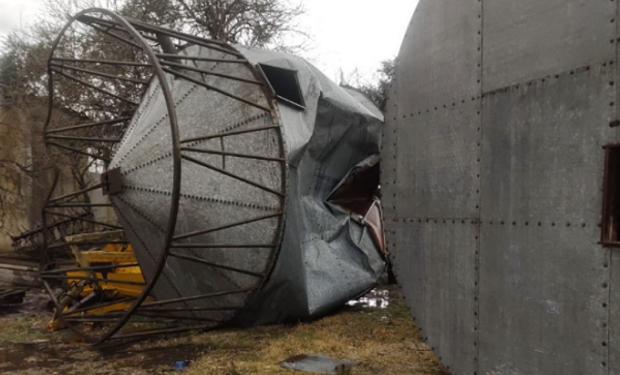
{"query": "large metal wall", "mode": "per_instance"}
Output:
(492, 175)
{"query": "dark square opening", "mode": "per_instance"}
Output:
(285, 84)
(610, 227)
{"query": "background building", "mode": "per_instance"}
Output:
(17, 207)
(26, 170)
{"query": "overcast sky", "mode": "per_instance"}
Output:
(348, 34)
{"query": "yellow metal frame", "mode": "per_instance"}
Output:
(109, 254)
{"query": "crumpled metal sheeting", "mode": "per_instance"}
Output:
(209, 199)
(326, 258)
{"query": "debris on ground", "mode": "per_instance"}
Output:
(381, 340)
(11, 296)
(318, 364)
(180, 365)
(18, 271)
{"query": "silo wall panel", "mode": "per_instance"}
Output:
(531, 321)
(431, 136)
(435, 226)
(437, 163)
(441, 275)
(546, 293)
(388, 170)
(529, 39)
(442, 67)
(544, 286)
(542, 147)
(614, 254)
(613, 262)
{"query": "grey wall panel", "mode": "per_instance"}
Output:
(437, 163)
(439, 279)
(542, 271)
(529, 39)
(442, 67)
(388, 168)
(545, 296)
(542, 149)
(432, 136)
(542, 296)
(613, 258)
(613, 262)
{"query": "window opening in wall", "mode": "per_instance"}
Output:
(285, 84)
(610, 228)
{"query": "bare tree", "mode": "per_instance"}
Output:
(261, 23)
(377, 90)
(22, 174)
(23, 72)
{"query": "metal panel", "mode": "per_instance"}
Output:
(529, 39)
(543, 280)
(388, 158)
(231, 201)
(430, 176)
(437, 163)
(435, 266)
(613, 262)
(442, 67)
(542, 296)
(613, 257)
(542, 149)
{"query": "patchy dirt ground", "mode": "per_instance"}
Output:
(376, 331)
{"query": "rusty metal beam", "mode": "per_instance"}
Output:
(227, 226)
(216, 89)
(232, 175)
(216, 265)
(230, 133)
(233, 154)
(89, 125)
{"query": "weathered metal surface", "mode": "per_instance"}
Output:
(530, 39)
(446, 56)
(613, 360)
(212, 163)
(434, 260)
(542, 170)
(542, 148)
(542, 300)
(437, 165)
(523, 287)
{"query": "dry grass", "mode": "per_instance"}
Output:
(383, 341)
(22, 330)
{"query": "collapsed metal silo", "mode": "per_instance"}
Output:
(245, 180)
(494, 171)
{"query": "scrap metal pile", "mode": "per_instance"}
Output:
(245, 181)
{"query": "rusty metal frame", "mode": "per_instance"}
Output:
(151, 311)
(610, 197)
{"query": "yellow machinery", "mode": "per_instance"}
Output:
(101, 277)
